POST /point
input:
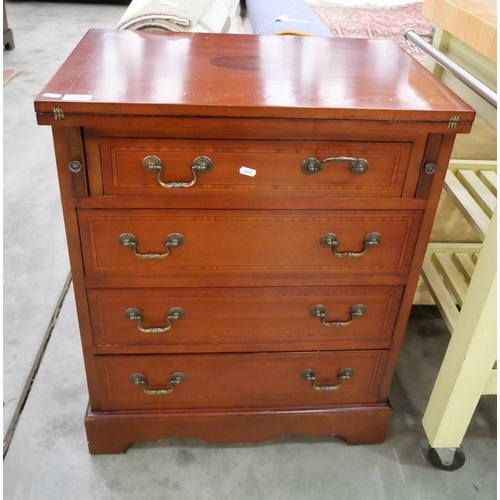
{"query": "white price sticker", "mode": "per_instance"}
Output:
(77, 97)
(248, 171)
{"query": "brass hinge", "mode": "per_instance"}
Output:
(453, 122)
(58, 113)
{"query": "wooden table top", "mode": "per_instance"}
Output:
(472, 21)
(184, 74)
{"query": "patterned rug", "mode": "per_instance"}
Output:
(375, 22)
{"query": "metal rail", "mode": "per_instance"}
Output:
(465, 77)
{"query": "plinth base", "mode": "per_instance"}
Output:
(115, 432)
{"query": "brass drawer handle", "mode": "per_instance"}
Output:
(331, 240)
(310, 376)
(140, 379)
(134, 314)
(153, 164)
(128, 240)
(312, 166)
(319, 311)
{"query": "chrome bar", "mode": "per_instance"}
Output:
(465, 77)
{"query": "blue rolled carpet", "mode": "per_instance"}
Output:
(284, 17)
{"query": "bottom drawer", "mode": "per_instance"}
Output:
(255, 380)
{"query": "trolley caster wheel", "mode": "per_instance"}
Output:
(447, 458)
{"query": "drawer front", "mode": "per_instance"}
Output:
(246, 243)
(239, 380)
(277, 168)
(244, 318)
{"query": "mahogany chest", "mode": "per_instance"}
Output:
(246, 220)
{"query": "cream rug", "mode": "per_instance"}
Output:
(8, 75)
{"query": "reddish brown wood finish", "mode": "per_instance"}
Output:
(66, 187)
(244, 319)
(443, 159)
(277, 168)
(249, 203)
(285, 77)
(223, 127)
(109, 432)
(430, 158)
(226, 280)
(247, 243)
(251, 265)
(256, 380)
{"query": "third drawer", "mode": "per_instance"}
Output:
(243, 319)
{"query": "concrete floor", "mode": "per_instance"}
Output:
(47, 457)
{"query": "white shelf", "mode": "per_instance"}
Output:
(448, 267)
(473, 188)
(447, 272)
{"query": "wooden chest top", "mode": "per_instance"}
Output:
(137, 73)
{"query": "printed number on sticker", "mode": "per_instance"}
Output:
(248, 171)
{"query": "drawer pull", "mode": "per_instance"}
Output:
(319, 311)
(153, 164)
(312, 166)
(331, 240)
(128, 240)
(134, 314)
(310, 376)
(140, 379)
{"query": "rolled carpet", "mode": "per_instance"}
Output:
(199, 16)
(284, 17)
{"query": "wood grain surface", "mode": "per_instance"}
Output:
(244, 319)
(276, 166)
(474, 22)
(114, 432)
(126, 72)
(251, 265)
(247, 243)
(257, 380)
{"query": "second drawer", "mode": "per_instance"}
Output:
(244, 319)
(247, 243)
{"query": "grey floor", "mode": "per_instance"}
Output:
(43, 421)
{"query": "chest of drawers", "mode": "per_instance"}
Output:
(246, 221)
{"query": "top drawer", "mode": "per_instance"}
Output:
(162, 167)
